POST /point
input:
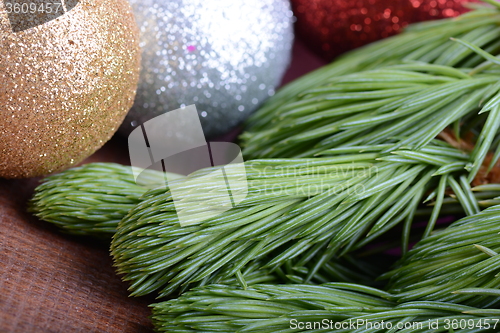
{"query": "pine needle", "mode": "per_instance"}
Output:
(294, 206)
(408, 85)
(91, 199)
(460, 257)
(332, 307)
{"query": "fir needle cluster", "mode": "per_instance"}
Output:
(332, 307)
(323, 109)
(464, 255)
(156, 254)
(91, 199)
(451, 277)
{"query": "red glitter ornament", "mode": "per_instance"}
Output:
(332, 27)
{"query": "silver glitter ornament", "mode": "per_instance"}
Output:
(225, 56)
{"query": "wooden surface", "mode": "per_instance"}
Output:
(51, 282)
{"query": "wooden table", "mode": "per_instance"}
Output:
(51, 282)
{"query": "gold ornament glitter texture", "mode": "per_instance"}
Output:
(65, 86)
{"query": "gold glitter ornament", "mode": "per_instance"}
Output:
(65, 85)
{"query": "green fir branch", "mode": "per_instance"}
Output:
(91, 199)
(332, 307)
(326, 207)
(462, 256)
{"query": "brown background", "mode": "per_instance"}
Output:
(50, 282)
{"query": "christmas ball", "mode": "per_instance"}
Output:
(226, 57)
(332, 27)
(66, 81)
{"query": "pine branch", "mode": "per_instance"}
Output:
(91, 199)
(464, 255)
(416, 105)
(326, 207)
(282, 308)
(369, 93)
